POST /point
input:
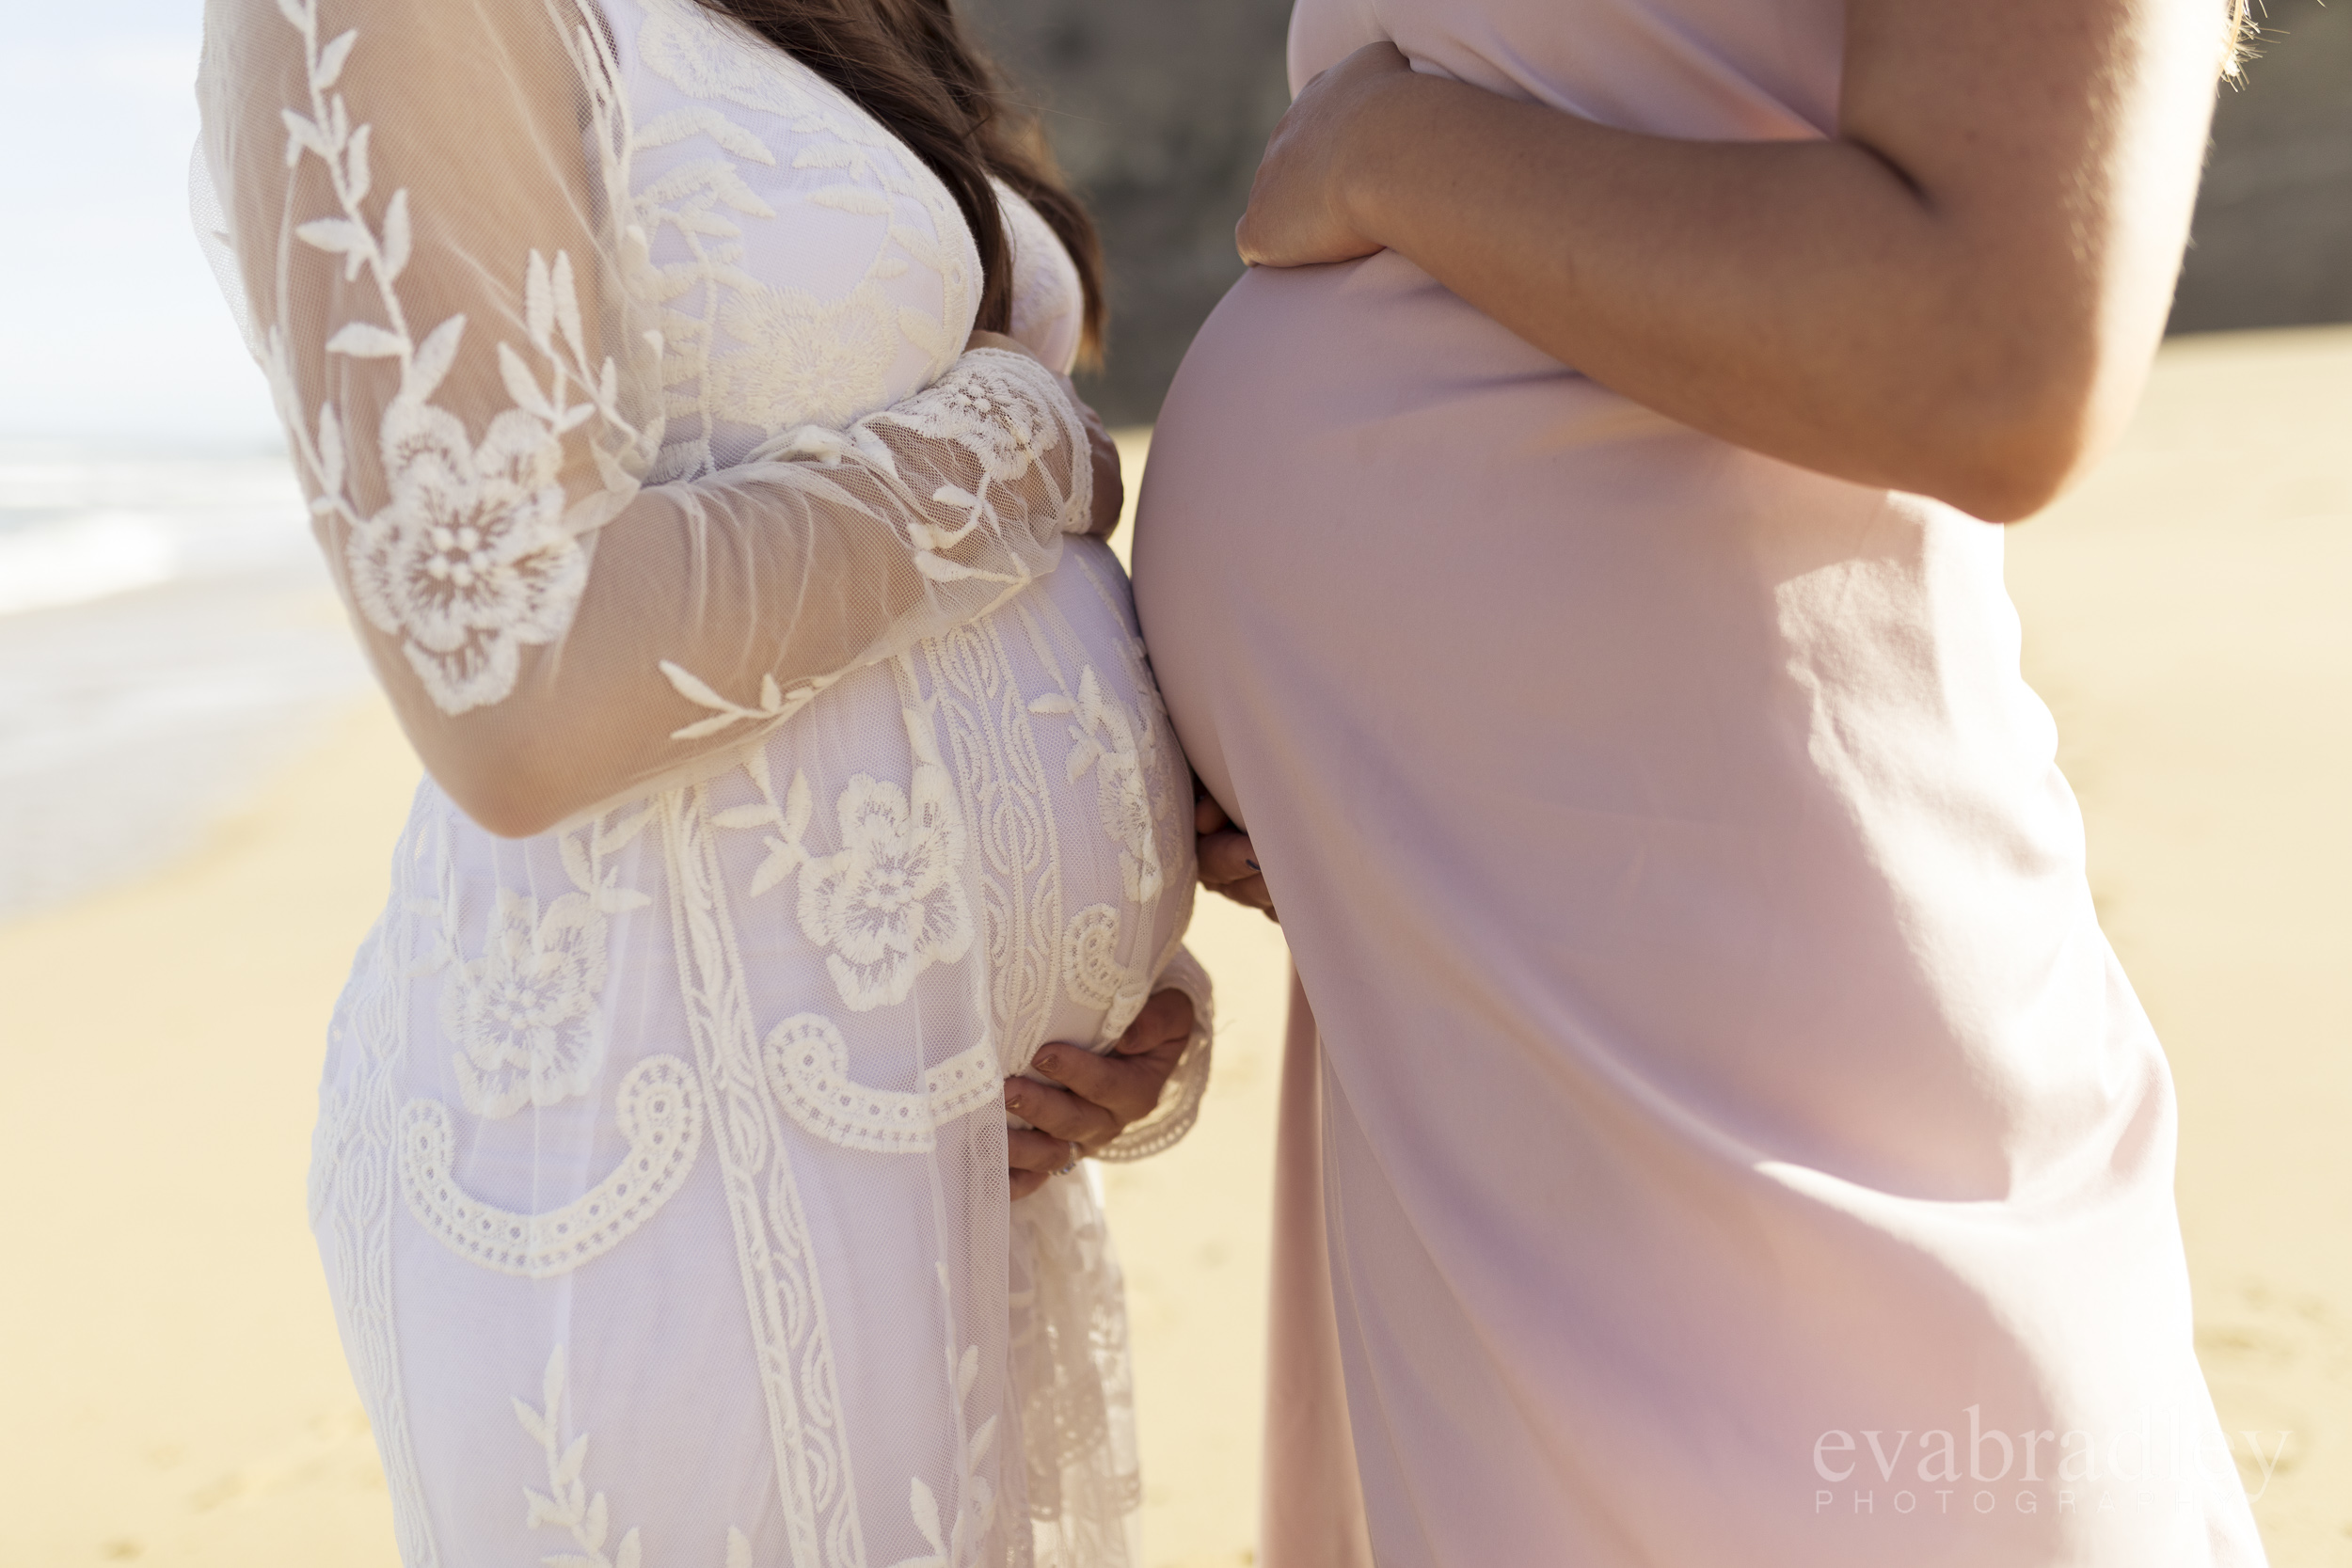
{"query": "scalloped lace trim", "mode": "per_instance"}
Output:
(660, 1113)
(809, 1066)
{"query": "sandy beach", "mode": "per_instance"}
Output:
(2185, 619)
(172, 1388)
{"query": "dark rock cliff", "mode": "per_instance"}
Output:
(1158, 110)
(2273, 244)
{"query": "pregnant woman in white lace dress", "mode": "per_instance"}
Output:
(795, 773)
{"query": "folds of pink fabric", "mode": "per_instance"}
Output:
(1313, 1509)
(1725, 1090)
(1721, 1053)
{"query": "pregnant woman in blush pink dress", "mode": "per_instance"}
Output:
(1565, 556)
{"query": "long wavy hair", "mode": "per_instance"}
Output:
(909, 65)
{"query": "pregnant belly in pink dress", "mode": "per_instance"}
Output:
(1720, 1052)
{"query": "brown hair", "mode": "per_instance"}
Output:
(908, 64)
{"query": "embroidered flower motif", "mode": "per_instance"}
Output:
(1125, 805)
(983, 405)
(469, 563)
(703, 55)
(1122, 793)
(892, 903)
(1155, 744)
(525, 1012)
(738, 354)
(814, 364)
(472, 558)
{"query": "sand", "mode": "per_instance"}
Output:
(171, 1391)
(2188, 618)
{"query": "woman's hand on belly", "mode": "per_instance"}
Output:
(1296, 215)
(1955, 290)
(1229, 861)
(1093, 1099)
(1110, 489)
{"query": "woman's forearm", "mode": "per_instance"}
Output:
(1957, 296)
(1793, 297)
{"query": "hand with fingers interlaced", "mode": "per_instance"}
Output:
(1092, 1099)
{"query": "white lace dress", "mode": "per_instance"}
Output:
(660, 1172)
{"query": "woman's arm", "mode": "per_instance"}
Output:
(1957, 294)
(442, 264)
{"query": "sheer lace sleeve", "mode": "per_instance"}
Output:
(422, 214)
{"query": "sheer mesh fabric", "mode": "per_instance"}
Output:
(792, 779)
(466, 333)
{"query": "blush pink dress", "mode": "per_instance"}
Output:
(1732, 1140)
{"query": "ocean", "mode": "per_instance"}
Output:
(168, 639)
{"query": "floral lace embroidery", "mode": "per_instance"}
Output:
(466, 598)
(818, 364)
(1021, 427)
(892, 902)
(809, 1066)
(1122, 791)
(960, 1543)
(1091, 969)
(525, 1013)
(473, 557)
(775, 704)
(798, 359)
(469, 563)
(565, 1505)
(988, 411)
(1069, 1361)
(789, 821)
(1167, 779)
(660, 1113)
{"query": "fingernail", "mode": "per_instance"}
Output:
(1048, 1062)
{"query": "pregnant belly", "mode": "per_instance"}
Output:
(1080, 802)
(1513, 680)
(1008, 798)
(962, 853)
(1071, 799)
(1360, 481)
(1366, 499)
